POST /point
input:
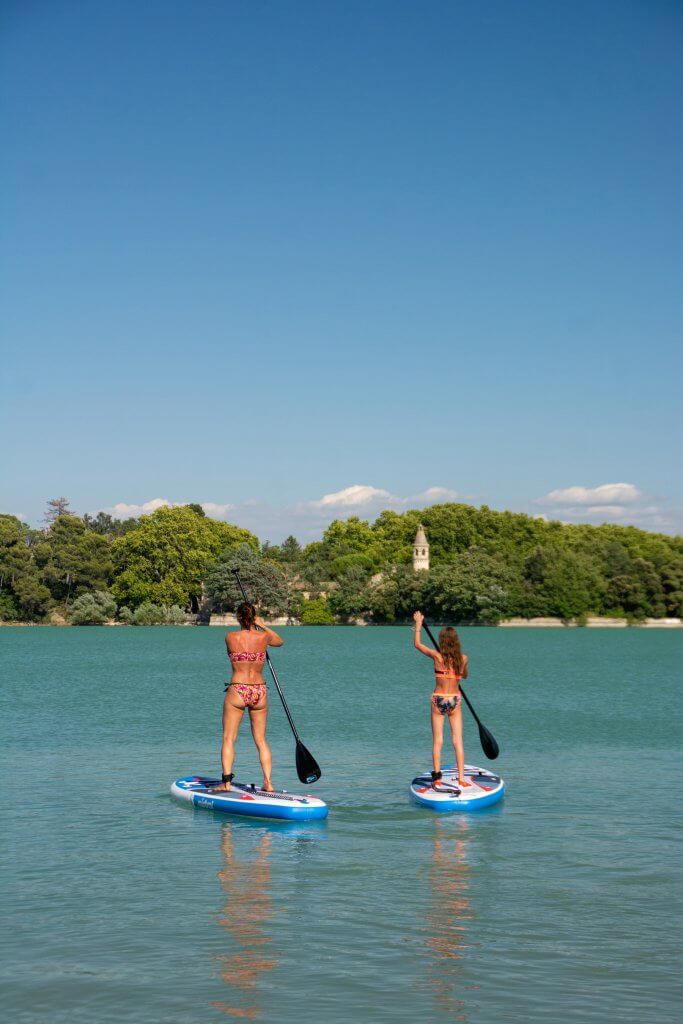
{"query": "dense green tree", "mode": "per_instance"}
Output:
(347, 543)
(16, 566)
(73, 560)
(476, 587)
(33, 598)
(672, 583)
(637, 591)
(315, 567)
(9, 606)
(560, 583)
(264, 581)
(165, 559)
(484, 564)
(397, 594)
(107, 526)
(351, 597)
(289, 553)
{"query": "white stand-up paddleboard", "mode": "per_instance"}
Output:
(482, 790)
(250, 800)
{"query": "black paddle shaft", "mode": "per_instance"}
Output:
(486, 738)
(307, 767)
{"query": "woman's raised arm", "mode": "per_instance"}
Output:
(272, 638)
(418, 619)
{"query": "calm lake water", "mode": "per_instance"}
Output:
(559, 905)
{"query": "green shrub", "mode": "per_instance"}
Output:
(174, 616)
(148, 614)
(125, 616)
(92, 609)
(317, 613)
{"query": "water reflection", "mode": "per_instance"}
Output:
(448, 916)
(247, 912)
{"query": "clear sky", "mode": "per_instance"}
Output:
(259, 253)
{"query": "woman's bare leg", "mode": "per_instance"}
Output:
(455, 720)
(232, 718)
(437, 739)
(258, 719)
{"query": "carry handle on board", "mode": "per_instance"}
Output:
(307, 768)
(486, 738)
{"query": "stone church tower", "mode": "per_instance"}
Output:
(420, 550)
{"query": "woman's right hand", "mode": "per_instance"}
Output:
(418, 619)
(258, 621)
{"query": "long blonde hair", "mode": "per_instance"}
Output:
(450, 650)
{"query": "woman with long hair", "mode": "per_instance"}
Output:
(247, 691)
(450, 666)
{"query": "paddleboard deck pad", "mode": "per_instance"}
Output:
(482, 790)
(249, 800)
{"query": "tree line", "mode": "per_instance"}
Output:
(485, 566)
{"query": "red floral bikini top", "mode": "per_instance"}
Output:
(247, 656)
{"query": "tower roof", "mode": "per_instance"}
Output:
(420, 536)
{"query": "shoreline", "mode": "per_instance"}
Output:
(545, 622)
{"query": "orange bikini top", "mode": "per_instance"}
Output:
(247, 656)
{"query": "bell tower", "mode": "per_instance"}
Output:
(420, 550)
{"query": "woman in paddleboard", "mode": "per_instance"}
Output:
(450, 666)
(247, 691)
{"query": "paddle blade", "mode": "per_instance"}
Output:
(488, 743)
(307, 768)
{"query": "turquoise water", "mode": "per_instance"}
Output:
(122, 905)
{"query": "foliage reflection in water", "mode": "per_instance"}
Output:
(448, 913)
(247, 912)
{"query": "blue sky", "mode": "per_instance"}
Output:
(295, 260)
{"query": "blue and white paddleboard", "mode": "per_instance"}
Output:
(250, 800)
(482, 790)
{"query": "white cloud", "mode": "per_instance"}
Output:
(623, 504)
(434, 495)
(124, 511)
(604, 495)
(216, 511)
(355, 496)
(612, 511)
(307, 519)
(362, 496)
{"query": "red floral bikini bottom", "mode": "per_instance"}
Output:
(251, 694)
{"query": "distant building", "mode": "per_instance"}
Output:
(420, 550)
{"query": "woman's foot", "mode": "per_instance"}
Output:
(224, 785)
(267, 786)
